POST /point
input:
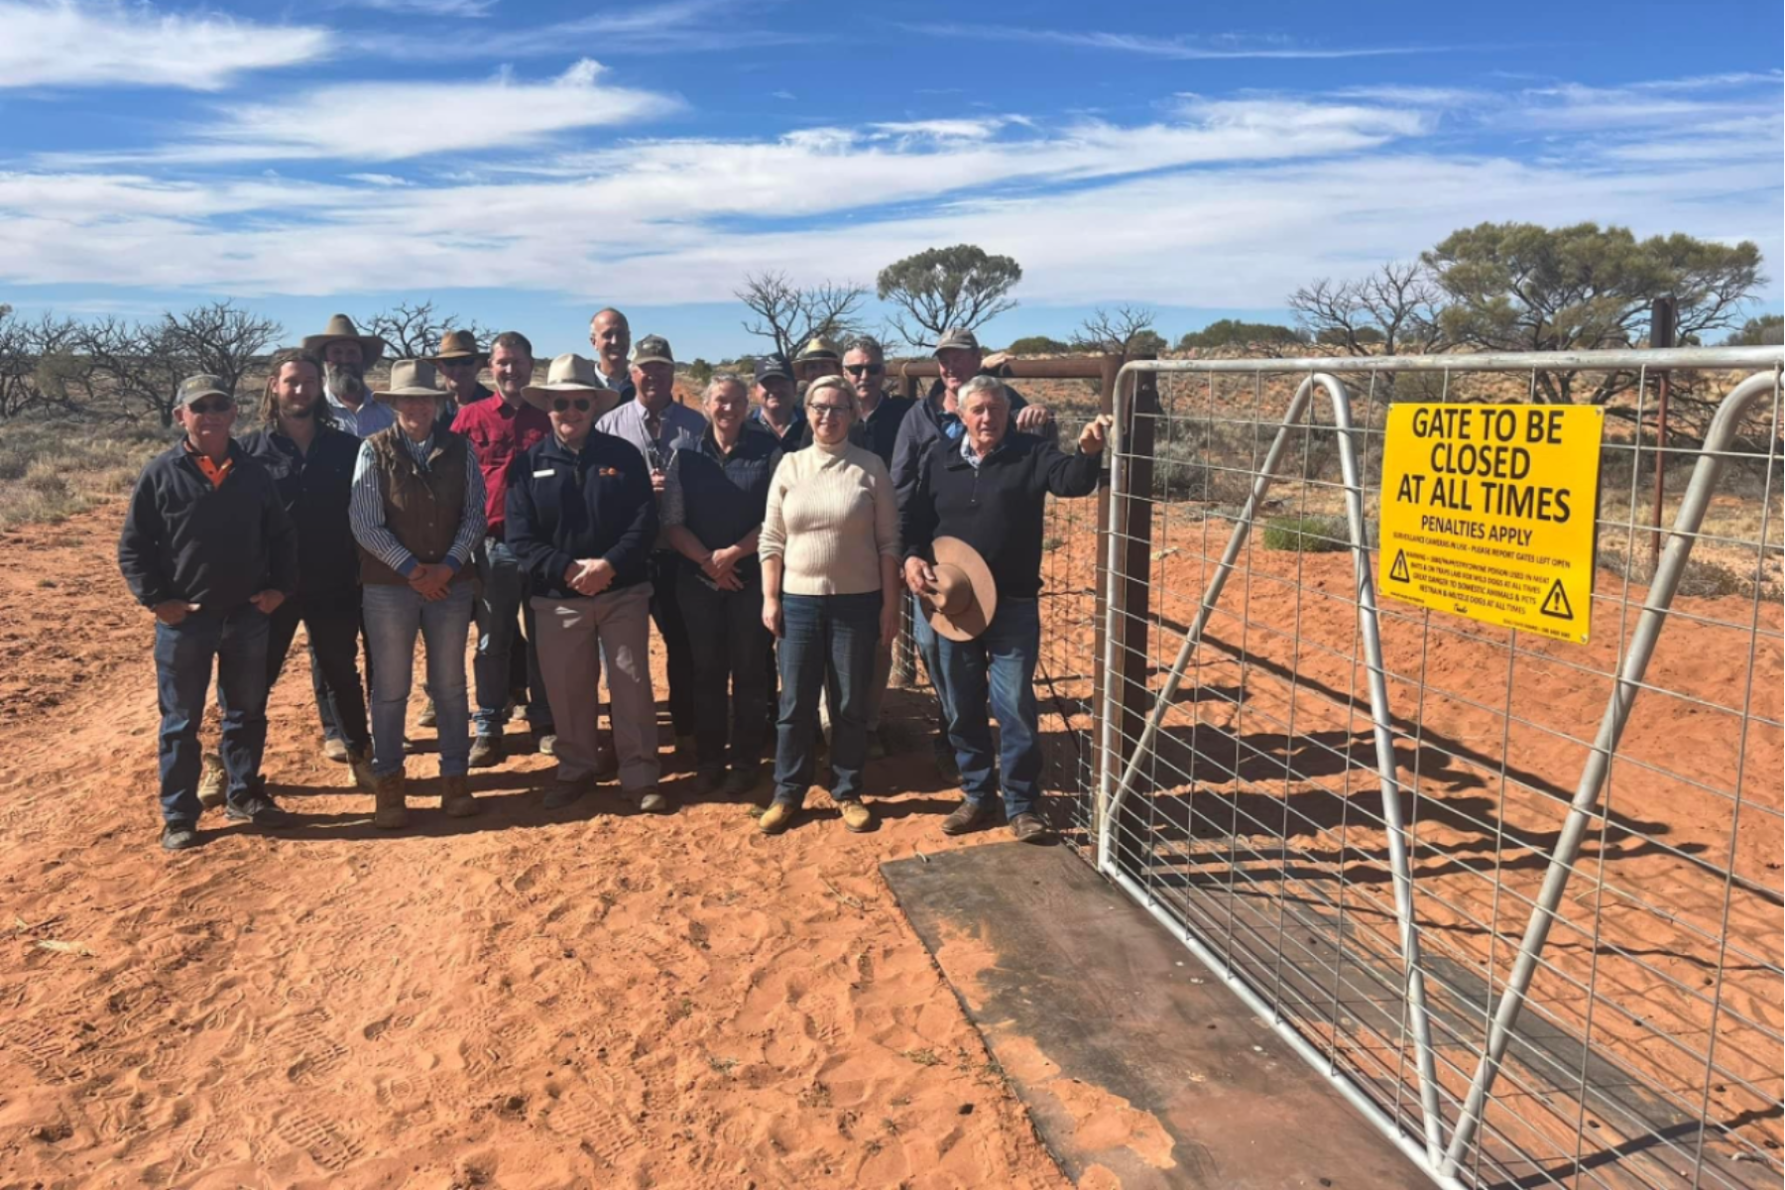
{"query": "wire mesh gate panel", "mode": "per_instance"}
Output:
(1552, 955)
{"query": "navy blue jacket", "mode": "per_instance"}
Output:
(996, 508)
(316, 489)
(594, 503)
(919, 430)
(214, 546)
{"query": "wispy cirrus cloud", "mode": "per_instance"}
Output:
(106, 43)
(395, 121)
(429, 8)
(667, 27)
(1179, 48)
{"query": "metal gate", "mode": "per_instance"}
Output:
(1520, 899)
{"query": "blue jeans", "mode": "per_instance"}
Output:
(235, 642)
(825, 639)
(501, 606)
(926, 638)
(393, 616)
(1001, 663)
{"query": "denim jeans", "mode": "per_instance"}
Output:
(501, 606)
(1001, 664)
(926, 638)
(332, 619)
(394, 614)
(731, 682)
(235, 643)
(825, 639)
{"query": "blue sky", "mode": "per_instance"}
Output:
(525, 164)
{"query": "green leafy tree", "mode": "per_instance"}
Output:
(1231, 332)
(947, 287)
(1766, 331)
(1522, 287)
(1038, 345)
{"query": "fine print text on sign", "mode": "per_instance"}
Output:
(1488, 512)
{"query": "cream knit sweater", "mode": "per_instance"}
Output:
(831, 518)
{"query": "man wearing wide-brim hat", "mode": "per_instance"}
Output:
(972, 532)
(417, 514)
(458, 363)
(345, 355)
(819, 357)
(582, 519)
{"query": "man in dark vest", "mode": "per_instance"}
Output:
(417, 513)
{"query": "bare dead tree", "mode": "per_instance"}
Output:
(140, 364)
(790, 316)
(414, 330)
(220, 339)
(1392, 311)
(1124, 331)
(39, 368)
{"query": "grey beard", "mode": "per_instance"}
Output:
(345, 380)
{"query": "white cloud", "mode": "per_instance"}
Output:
(432, 8)
(398, 120)
(380, 179)
(1228, 202)
(93, 43)
(1174, 48)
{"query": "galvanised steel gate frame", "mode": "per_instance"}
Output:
(1121, 756)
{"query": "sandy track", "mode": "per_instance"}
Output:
(523, 999)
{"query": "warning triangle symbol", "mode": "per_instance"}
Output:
(1398, 571)
(1556, 603)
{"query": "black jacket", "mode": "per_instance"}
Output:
(723, 497)
(998, 508)
(315, 489)
(879, 431)
(216, 547)
(596, 503)
(920, 428)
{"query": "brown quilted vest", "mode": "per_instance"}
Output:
(422, 508)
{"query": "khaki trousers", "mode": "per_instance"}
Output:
(574, 635)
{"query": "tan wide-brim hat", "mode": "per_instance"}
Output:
(412, 378)
(341, 327)
(966, 597)
(570, 375)
(457, 345)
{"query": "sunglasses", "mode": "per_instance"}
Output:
(827, 410)
(565, 404)
(865, 369)
(201, 408)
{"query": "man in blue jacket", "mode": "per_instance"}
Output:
(582, 520)
(209, 549)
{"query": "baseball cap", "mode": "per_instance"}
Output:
(194, 388)
(653, 349)
(956, 336)
(772, 365)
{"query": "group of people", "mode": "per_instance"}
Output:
(770, 542)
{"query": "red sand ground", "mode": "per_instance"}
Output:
(519, 1000)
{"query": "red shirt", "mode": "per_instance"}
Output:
(498, 432)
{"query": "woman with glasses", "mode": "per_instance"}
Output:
(582, 520)
(830, 580)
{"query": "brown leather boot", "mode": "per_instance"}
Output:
(455, 796)
(391, 813)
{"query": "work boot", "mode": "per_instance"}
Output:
(257, 809)
(391, 813)
(212, 782)
(335, 750)
(486, 751)
(967, 818)
(653, 800)
(455, 796)
(564, 791)
(856, 816)
(1029, 828)
(428, 718)
(179, 836)
(777, 818)
(546, 741)
(359, 764)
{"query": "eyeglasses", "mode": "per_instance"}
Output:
(821, 411)
(468, 361)
(203, 407)
(563, 404)
(864, 369)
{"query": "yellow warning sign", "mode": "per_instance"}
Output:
(1488, 511)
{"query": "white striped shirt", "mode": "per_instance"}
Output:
(366, 512)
